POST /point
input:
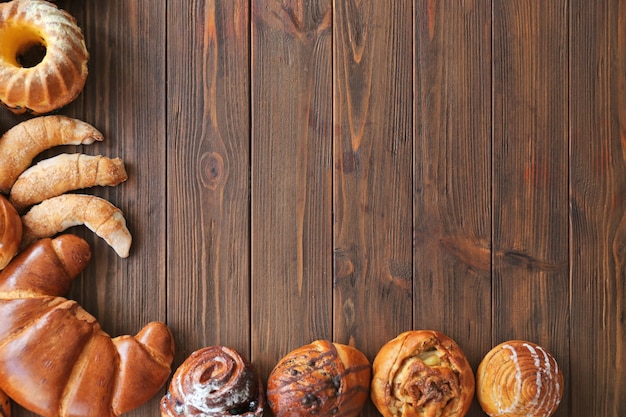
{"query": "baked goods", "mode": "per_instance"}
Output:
(65, 172)
(54, 357)
(43, 57)
(214, 381)
(422, 373)
(5, 405)
(10, 232)
(322, 379)
(23, 142)
(519, 378)
(57, 214)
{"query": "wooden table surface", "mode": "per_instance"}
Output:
(349, 170)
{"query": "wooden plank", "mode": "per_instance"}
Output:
(598, 184)
(530, 176)
(291, 177)
(452, 171)
(373, 151)
(208, 185)
(124, 294)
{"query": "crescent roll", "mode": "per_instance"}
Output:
(23, 142)
(65, 172)
(56, 214)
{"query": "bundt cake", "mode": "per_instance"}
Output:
(43, 57)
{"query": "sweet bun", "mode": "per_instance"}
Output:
(322, 378)
(422, 373)
(10, 232)
(43, 57)
(214, 381)
(519, 378)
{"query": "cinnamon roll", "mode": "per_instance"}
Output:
(214, 381)
(422, 373)
(519, 378)
(322, 379)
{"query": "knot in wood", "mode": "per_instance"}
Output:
(211, 170)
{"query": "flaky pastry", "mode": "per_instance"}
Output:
(62, 173)
(57, 214)
(23, 142)
(422, 373)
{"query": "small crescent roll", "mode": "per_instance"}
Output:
(23, 142)
(65, 172)
(57, 214)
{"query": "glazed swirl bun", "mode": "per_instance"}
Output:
(214, 381)
(322, 378)
(519, 378)
(43, 57)
(422, 373)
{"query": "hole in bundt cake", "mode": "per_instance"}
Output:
(31, 55)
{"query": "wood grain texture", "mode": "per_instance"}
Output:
(530, 176)
(208, 186)
(291, 177)
(598, 207)
(452, 180)
(349, 169)
(372, 177)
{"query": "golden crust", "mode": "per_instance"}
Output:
(10, 233)
(519, 378)
(57, 214)
(50, 82)
(24, 141)
(422, 373)
(65, 172)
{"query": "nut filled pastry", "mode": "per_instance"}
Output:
(214, 381)
(322, 379)
(422, 373)
(518, 378)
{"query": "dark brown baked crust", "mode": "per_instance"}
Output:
(322, 378)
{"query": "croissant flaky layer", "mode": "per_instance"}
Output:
(214, 381)
(519, 378)
(422, 373)
(55, 360)
(322, 379)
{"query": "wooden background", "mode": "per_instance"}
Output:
(351, 169)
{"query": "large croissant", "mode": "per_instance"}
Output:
(55, 360)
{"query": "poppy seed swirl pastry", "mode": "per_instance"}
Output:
(322, 378)
(422, 373)
(519, 378)
(214, 381)
(43, 57)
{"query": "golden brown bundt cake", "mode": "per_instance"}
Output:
(43, 58)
